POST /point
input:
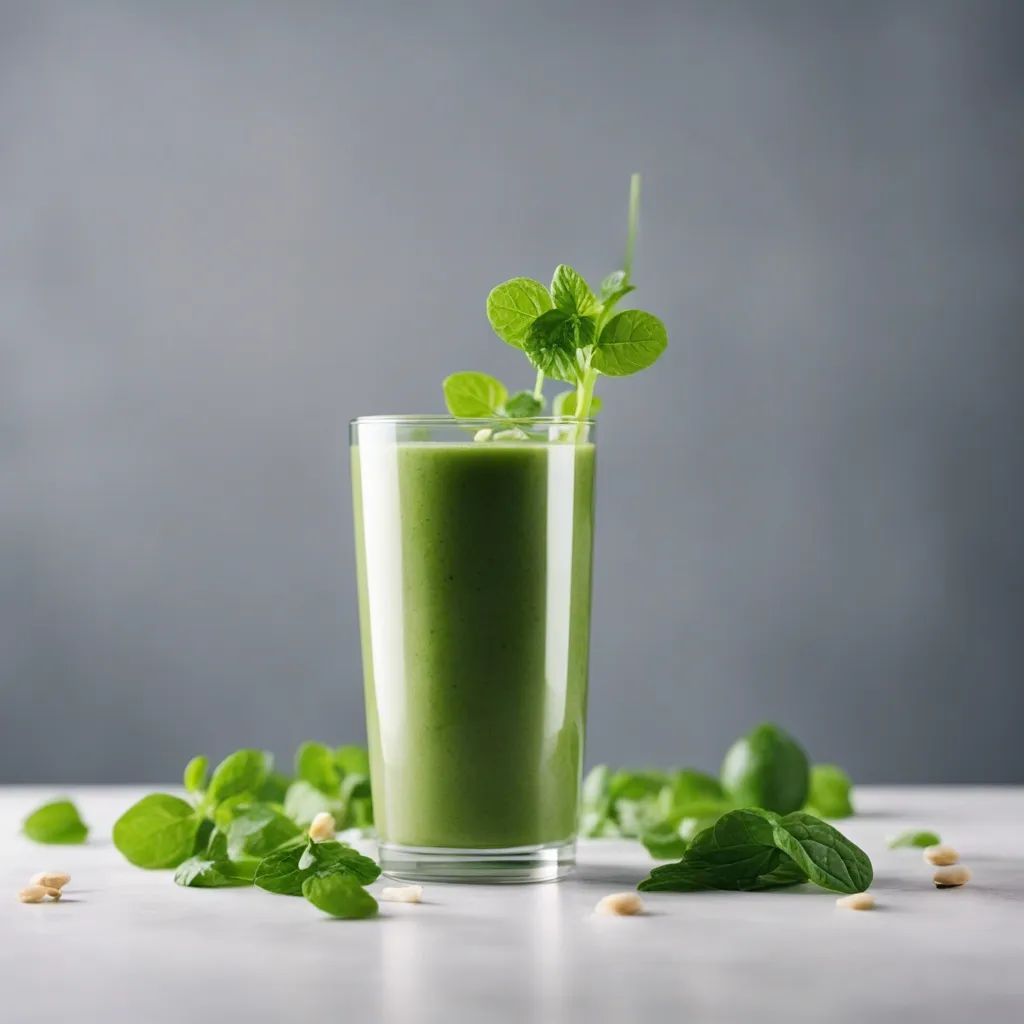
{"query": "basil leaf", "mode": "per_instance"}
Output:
(571, 293)
(303, 802)
(565, 404)
(244, 771)
(195, 774)
(522, 405)
(258, 830)
(57, 823)
(284, 871)
(829, 795)
(315, 763)
(157, 832)
(914, 838)
(630, 341)
(513, 306)
(826, 856)
(352, 760)
(339, 895)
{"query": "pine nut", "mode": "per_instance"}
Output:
(483, 435)
(941, 856)
(50, 879)
(949, 878)
(620, 904)
(322, 827)
(858, 901)
(38, 893)
(402, 894)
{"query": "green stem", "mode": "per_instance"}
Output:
(634, 216)
(585, 393)
(538, 388)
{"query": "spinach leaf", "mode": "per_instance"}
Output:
(664, 843)
(339, 895)
(157, 832)
(829, 795)
(244, 771)
(767, 768)
(57, 823)
(513, 306)
(824, 854)
(258, 830)
(473, 395)
(631, 341)
(214, 868)
(284, 871)
(195, 774)
(303, 802)
(915, 838)
(315, 763)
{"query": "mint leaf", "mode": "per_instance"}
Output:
(523, 405)
(513, 306)
(613, 283)
(571, 293)
(195, 774)
(157, 832)
(630, 341)
(315, 763)
(339, 895)
(57, 823)
(259, 830)
(284, 872)
(244, 771)
(552, 340)
(915, 838)
(352, 760)
(565, 404)
(826, 856)
(829, 796)
(470, 395)
(303, 802)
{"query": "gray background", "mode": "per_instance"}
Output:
(226, 228)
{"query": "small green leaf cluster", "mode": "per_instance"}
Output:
(765, 769)
(57, 822)
(751, 850)
(246, 824)
(568, 333)
(915, 838)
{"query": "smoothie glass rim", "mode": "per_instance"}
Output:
(441, 419)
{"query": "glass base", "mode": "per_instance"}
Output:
(544, 863)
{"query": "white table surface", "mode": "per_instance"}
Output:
(126, 945)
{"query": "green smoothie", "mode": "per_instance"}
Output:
(474, 568)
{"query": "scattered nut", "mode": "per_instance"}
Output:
(483, 435)
(620, 904)
(858, 901)
(941, 856)
(402, 894)
(50, 879)
(322, 827)
(38, 893)
(950, 878)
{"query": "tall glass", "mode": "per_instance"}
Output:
(474, 550)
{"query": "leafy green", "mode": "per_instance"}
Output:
(824, 854)
(524, 405)
(571, 293)
(752, 850)
(767, 768)
(259, 830)
(552, 341)
(664, 843)
(631, 341)
(303, 802)
(157, 832)
(513, 306)
(56, 823)
(284, 871)
(274, 787)
(564, 404)
(244, 771)
(830, 792)
(315, 763)
(214, 868)
(472, 395)
(913, 837)
(339, 895)
(195, 774)
(352, 760)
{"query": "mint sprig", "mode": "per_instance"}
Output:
(568, 333)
